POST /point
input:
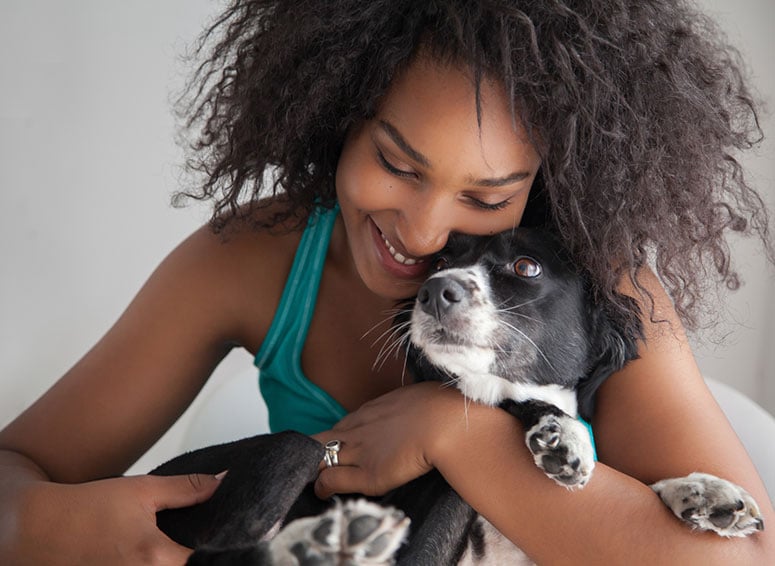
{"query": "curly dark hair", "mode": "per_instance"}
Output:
(640, 106)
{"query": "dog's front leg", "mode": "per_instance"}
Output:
(559, 443)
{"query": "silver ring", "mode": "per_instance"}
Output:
(332, 453)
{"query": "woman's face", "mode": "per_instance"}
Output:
(423, 167)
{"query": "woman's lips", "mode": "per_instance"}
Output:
(395, 262)
(398, 256)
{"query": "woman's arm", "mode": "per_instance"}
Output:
(207, 296)
(110, 521)
(656, 419)
(135, 382)
(615, 519)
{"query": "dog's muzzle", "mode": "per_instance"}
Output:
(440, 295)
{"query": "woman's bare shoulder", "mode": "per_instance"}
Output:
(210, 294)
(243, 268)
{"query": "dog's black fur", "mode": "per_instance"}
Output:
(544, 332)
(570, 340)
(580, 342)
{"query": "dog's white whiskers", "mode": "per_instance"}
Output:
(397, 335)
(392, 313)
(466, 404)
(526, 337)
(514, 307)
(522, 315)
(389, 348)
(385, 350)
(493, 344)
(495, 347)
(391, 332)
(380, 323)
(451, 381)
(513, 310)
(395, 311)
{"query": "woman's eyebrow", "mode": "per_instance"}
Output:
(500, 181)
(401, 142)
(406, 147)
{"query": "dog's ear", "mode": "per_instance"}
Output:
(614, 342)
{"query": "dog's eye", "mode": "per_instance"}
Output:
(440, 263)
(527, 267)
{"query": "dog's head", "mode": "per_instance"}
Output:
(512, 309)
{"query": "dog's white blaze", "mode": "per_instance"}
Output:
(492, 389)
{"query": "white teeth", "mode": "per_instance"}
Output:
(396, 255)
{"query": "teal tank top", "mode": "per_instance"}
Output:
(292, 400)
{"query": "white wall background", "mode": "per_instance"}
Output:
(88, 163)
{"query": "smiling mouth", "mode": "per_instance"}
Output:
(399, 257)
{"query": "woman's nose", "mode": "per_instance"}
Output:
(426, 224)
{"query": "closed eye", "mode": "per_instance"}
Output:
(490, 206)
(392, 169)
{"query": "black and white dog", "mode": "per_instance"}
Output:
(511, 322)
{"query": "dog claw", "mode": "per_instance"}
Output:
(708, 503)
(548, 437)
(561, 448)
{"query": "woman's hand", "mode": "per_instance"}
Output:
(393, 439)
(109, 521)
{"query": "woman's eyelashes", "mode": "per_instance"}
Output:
(490, 206)
(390, 168)
(478, 203)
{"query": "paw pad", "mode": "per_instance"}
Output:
(709, 503)
(561, 448)
(356, 532)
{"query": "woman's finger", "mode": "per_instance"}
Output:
(344, 479)
(168, 552)
(172, 492)
(346, 453)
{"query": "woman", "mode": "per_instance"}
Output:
(398, 123)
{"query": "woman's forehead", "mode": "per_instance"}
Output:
(434, 106)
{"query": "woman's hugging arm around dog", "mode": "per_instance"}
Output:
(617, 125)
(649, 179)
(481, 452)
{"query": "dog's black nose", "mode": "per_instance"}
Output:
(440, 294)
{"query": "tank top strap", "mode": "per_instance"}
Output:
(297, 304)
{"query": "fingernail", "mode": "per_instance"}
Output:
(220, 476)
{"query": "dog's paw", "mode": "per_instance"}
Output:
(356, 532)
(709, 503)
(562, 449)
